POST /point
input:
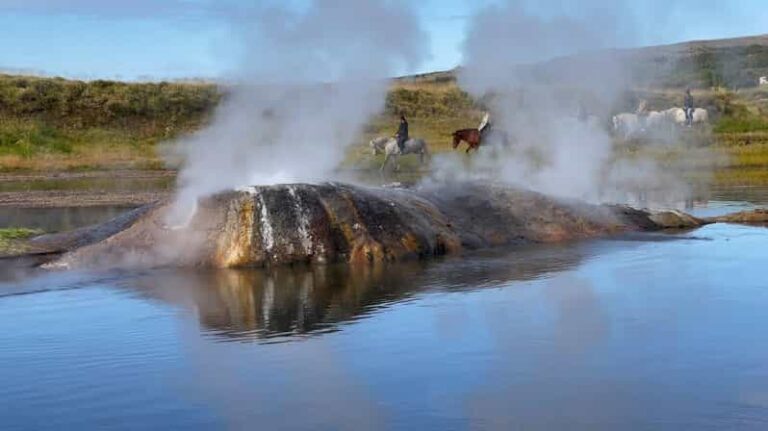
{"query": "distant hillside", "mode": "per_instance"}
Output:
(733, 63)
(684, 47)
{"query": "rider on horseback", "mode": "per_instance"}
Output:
(688, 107)
(402, 133)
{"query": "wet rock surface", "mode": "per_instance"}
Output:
(757, 216)
(332, 222)
(676, 220)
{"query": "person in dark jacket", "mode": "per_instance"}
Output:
(688, 107)
(402, 133)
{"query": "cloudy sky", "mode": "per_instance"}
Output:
(161, 39)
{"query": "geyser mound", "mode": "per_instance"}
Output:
(333, 222)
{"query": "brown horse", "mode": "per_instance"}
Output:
(471, 136)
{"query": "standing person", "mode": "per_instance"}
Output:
(688, 107)
(402, 133)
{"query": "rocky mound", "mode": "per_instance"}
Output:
(756, 216)
(303, 223)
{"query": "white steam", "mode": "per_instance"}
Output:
(514, 61)
(310, 79)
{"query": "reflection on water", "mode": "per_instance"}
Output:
(752, 194)
(725, 201)
(661, 331)
(285, 302)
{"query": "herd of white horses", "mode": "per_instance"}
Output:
(627, 125)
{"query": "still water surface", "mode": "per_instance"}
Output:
(663, 331)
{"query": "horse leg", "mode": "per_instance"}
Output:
(386, 160)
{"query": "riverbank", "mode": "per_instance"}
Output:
(85, 189)
(83, 198)
(735, 164)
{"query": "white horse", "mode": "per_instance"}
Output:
(389, 147)
(677, 116)
(700, 115)
(655, 120)
(627, 124)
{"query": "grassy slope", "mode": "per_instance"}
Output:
(57, 124)
(54, 124)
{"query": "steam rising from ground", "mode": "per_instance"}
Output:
(310, 79)
(513, 61)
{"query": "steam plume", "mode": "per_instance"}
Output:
(514, 60)
(309, 81)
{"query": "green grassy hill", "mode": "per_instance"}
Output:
(58, 124)
(53, 123)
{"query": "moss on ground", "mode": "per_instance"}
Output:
(12, 239)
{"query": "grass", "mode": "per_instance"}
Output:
(745, 124)
(151, 108)
(33, 145)
(753, 177)
(747, 159)
(749, 151)
(57, 124)
(52, 124)
(10, 239)
(13, 233)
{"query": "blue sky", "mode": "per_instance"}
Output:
(161, 39)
